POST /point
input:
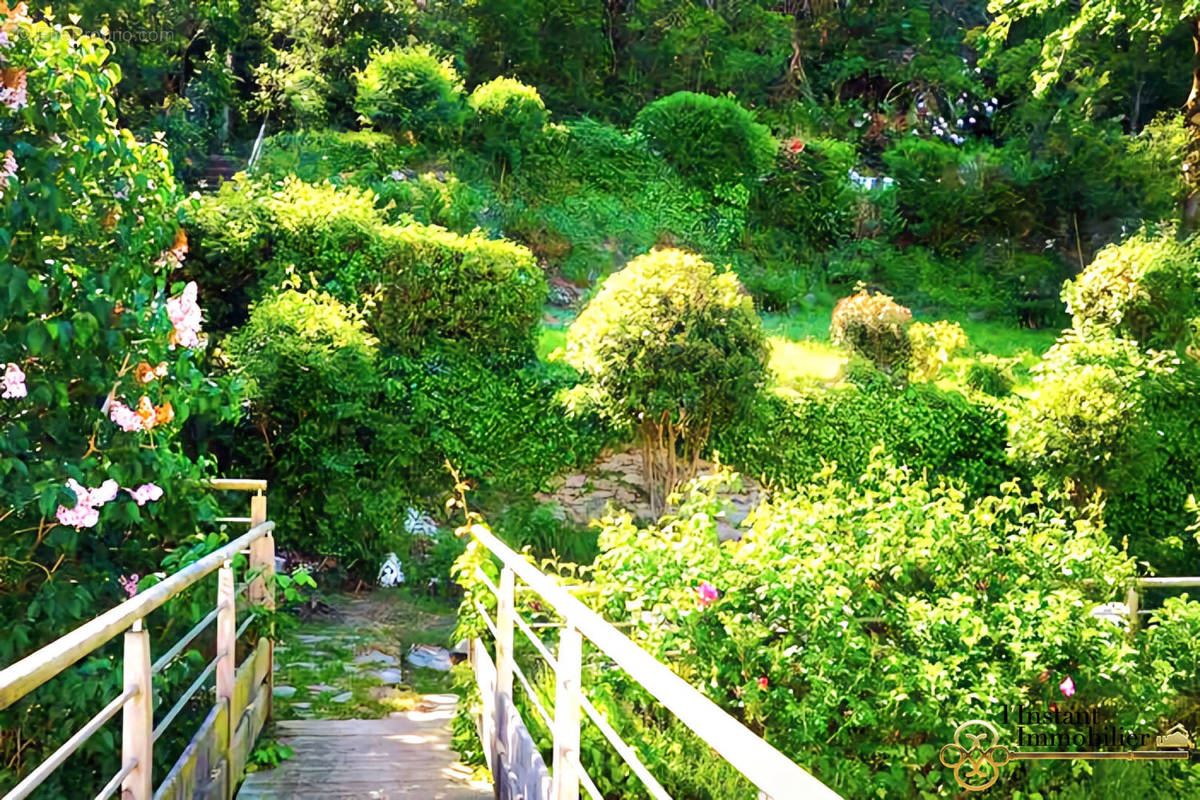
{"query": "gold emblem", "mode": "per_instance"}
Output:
(1176, 738)
(976, 758)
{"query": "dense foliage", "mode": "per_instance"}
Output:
(968, 230)
(883, 602)
(668, 348)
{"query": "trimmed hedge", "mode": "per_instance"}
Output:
(786, 438)
(485, 293)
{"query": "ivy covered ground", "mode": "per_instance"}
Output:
(926, 274)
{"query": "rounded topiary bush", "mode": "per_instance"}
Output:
(485, 293)
(1144, 288)
(709, 140)
(508, 116)
(670, 347)
(873, 325)
(409, 89)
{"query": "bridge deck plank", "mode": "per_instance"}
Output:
(404, 757)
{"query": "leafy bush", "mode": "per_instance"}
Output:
(547, 532)
(838, 616)
(808, 192)
(410, 89)
(787, 438)
(508, 116)
(956, 196)
(989, 378)
(1145, 289)
(318, 428)
(1085, 419)
(872, 325)
(671, 348)
(1103, 415)
(933, 345)
(445, 200)
(95, 327)
(502, 428)
(485, 293)
(709, 140)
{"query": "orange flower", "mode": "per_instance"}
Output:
(145, 410)
(145, 373)
(164, 414)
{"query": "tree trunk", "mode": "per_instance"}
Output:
(1191, 123)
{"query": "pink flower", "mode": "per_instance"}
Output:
(762, 683)
(4, 40)
(185, 316)
(81, 516)
(14, 382)
(103, 493)
(130, 584)
(795, 146)
(708, 594)
(86, 512)
(15, 96)
(125, 417)
(7, 170)
(1067, 687)
(146, 493)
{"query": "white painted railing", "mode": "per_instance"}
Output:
(243, 694)
(775, 775)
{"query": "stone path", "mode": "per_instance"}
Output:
(405, 756)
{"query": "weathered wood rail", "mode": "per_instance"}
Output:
(215, 758)
(518, 770)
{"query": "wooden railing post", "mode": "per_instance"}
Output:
(137, 719)
(568, 680)
(1133, 600)
(262, 588)
(506, 609)
(227, 659)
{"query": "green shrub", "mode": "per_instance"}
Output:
(1144, 288)
(933, 345)
(1105, 416)
(484, 293)
(433, 199)
(502, 428)
(671, 348)
(872, 325)
(808, 192)
(409, 89)
(231, 245)
(955, 196)
(989, 378)
(1085, 420)
(709, 140)
(884, 601)
(508, 116)
(548, 533)
(318, 428)
(788, 437)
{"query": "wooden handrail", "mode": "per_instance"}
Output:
(238, 484)
(35, 669)
(768, 769)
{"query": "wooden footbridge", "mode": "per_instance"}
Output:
(405, 757)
